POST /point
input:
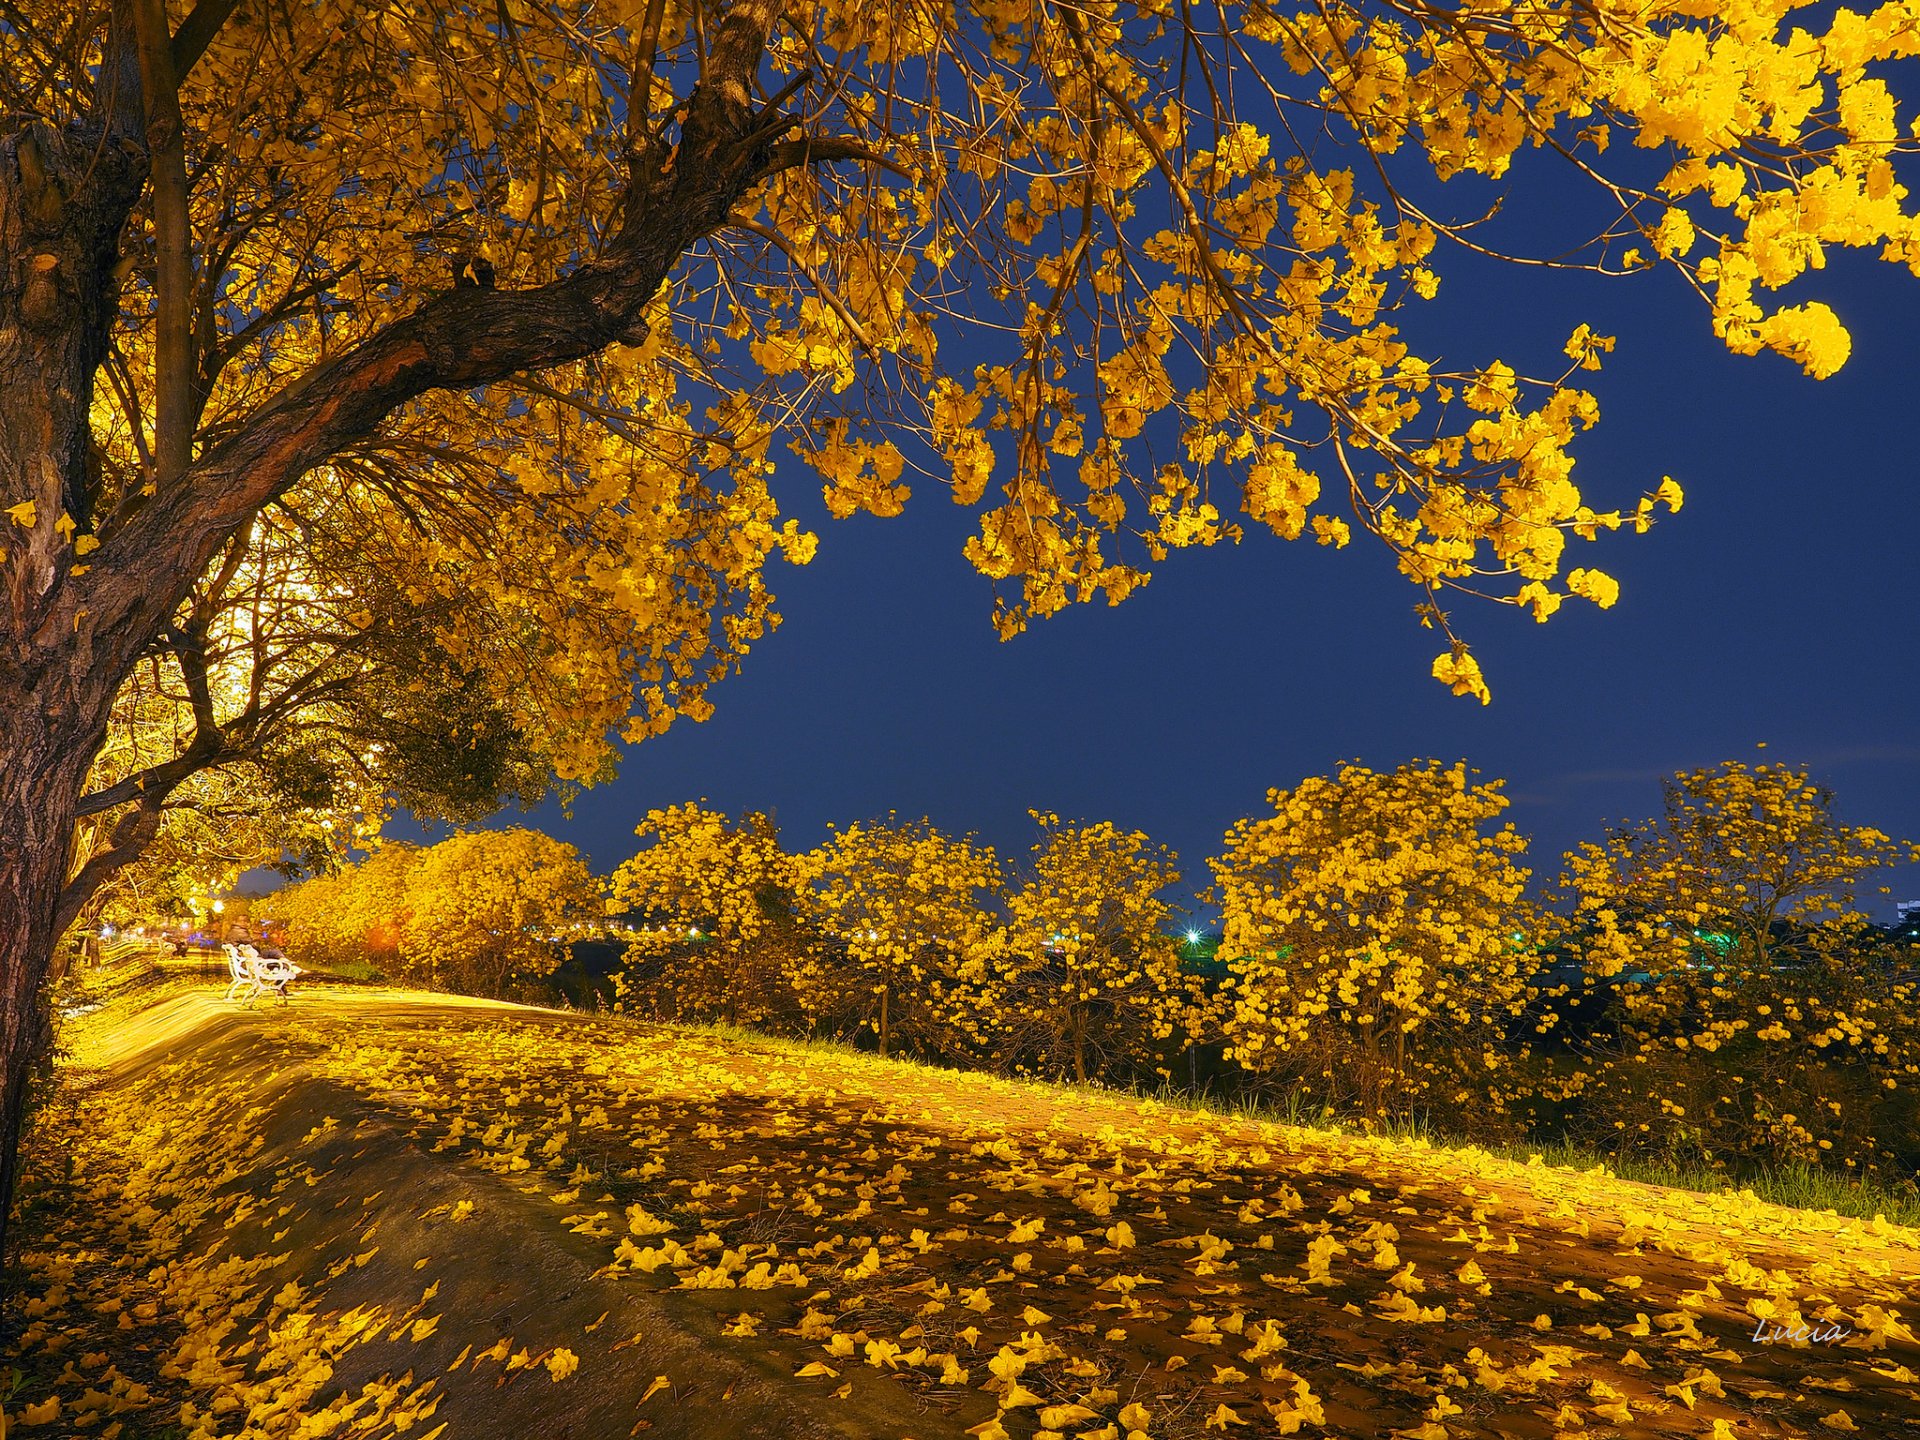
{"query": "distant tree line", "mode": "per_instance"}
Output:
(1702, 985)
(484, 913)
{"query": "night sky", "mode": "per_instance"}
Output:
(1777, 607)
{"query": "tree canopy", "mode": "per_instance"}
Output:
(1126, 277)
(1741, 863)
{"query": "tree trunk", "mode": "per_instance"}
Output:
(58, 239)
(885, 992)
(42, 764)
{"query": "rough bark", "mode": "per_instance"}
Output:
(59, 241)
(44, 764)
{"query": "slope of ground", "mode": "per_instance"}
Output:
(374, 1213)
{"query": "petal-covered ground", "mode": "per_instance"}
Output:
(376, 1213)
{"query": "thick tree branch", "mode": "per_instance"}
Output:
(131, 836)
(154, 784)
(825, 149)
(192, 654)
(173, 245)
(458, 340)
(196, 33)
(116, 93)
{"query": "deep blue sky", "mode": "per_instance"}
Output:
(1778, 607)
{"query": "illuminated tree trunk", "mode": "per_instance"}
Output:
(886, 992)
(40, 776)
(57, 242)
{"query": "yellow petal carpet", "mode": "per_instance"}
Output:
(382, 1213)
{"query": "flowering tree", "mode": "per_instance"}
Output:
(492, 908)
(1741, 865)
(1743, 1009)
(907, 941)
(1093, 983)
(513, 303)
(708, 892)
(1379, 935)
(355, 913)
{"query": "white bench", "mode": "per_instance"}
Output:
(256, 973)
(241, 969)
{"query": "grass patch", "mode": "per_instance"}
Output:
(1799, 1187)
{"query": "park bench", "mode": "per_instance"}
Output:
(255, 974)
(244, 980)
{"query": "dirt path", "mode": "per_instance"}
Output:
(246, 1170)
